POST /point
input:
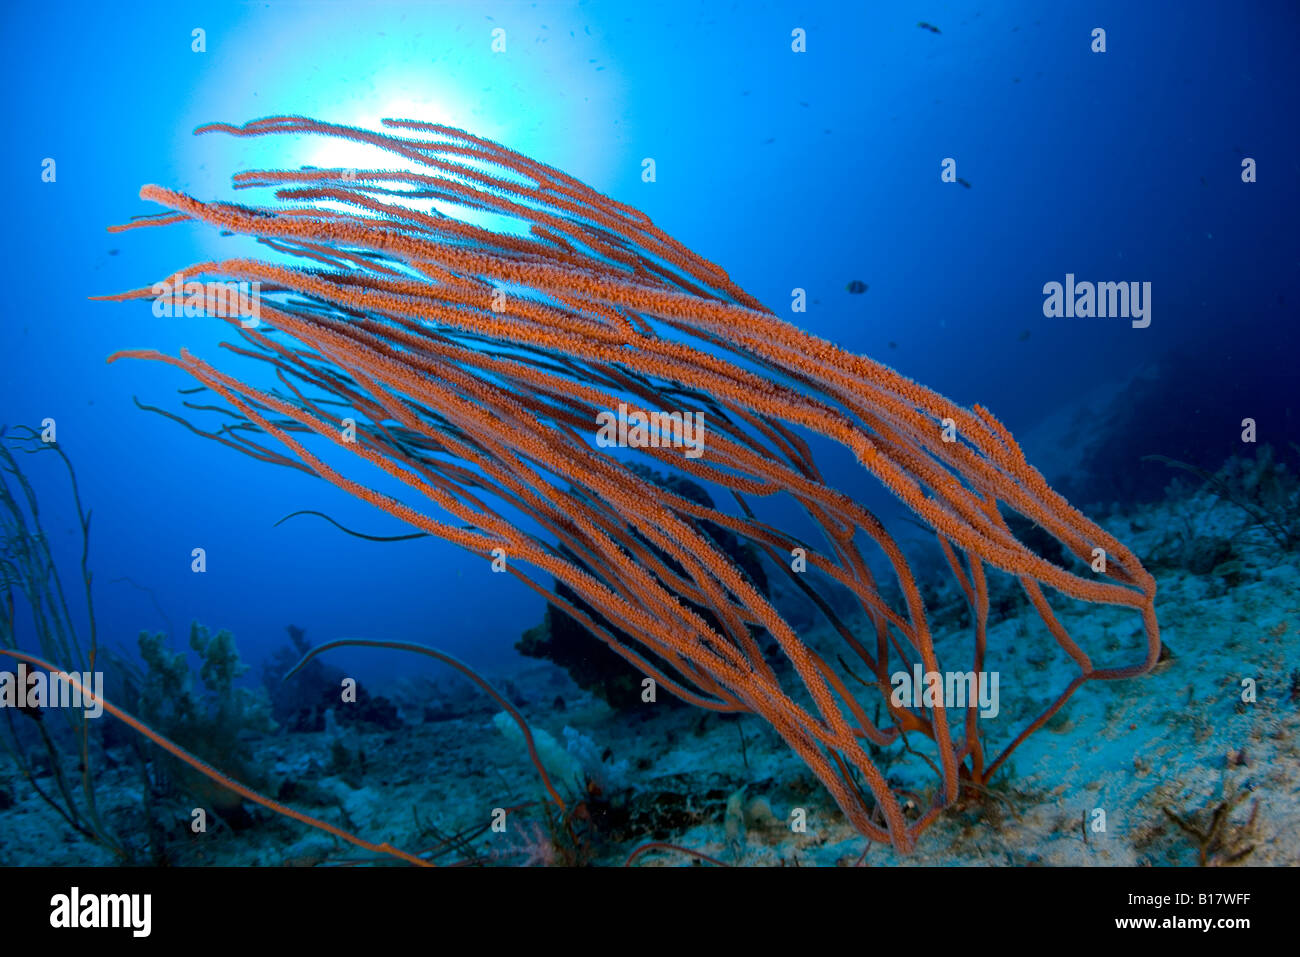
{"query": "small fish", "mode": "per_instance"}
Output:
(928, 26)
(857, 286)
(1024, 336)
(114, 252)
(893, 345)
(963, 182)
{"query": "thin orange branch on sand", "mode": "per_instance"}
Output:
(475, 362)
(74, 681)
(465, 670)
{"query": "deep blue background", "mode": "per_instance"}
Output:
(789, 170)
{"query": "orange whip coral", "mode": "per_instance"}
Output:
(474, 362)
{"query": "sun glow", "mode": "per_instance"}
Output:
(333, 153)
(435, 67)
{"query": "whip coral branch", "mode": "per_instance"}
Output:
(212, 773)
(464, 669)
(475, 362)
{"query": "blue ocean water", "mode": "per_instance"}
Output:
(792, 170)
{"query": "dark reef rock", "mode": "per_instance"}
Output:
(1189, 406)
(300, 702)
(589, 661)
(372, 711)
(1037, 539)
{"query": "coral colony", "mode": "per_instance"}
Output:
(477, 366)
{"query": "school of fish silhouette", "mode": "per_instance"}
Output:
(473, 362)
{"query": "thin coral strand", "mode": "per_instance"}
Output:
(208, 771)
